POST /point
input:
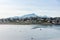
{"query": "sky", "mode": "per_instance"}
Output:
(10, 8)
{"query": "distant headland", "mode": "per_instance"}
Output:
(31, 19)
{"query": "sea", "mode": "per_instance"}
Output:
(29, 32)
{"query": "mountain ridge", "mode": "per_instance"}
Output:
(28, 16)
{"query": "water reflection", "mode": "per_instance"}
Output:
(41, 26)
(47, 26)
(29, 32)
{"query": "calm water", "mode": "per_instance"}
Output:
(29, 32)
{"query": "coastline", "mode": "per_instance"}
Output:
(26, 24)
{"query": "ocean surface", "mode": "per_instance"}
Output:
(29, 32)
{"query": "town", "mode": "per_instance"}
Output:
(31, 20)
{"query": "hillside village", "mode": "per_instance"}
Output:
(31, 20)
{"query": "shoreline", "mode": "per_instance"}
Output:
(26, 24)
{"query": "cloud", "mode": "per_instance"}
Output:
(10, 8)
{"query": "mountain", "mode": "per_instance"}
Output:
(29, 15)
(44, 16)
(24, 16)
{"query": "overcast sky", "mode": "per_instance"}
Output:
(9, 8)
